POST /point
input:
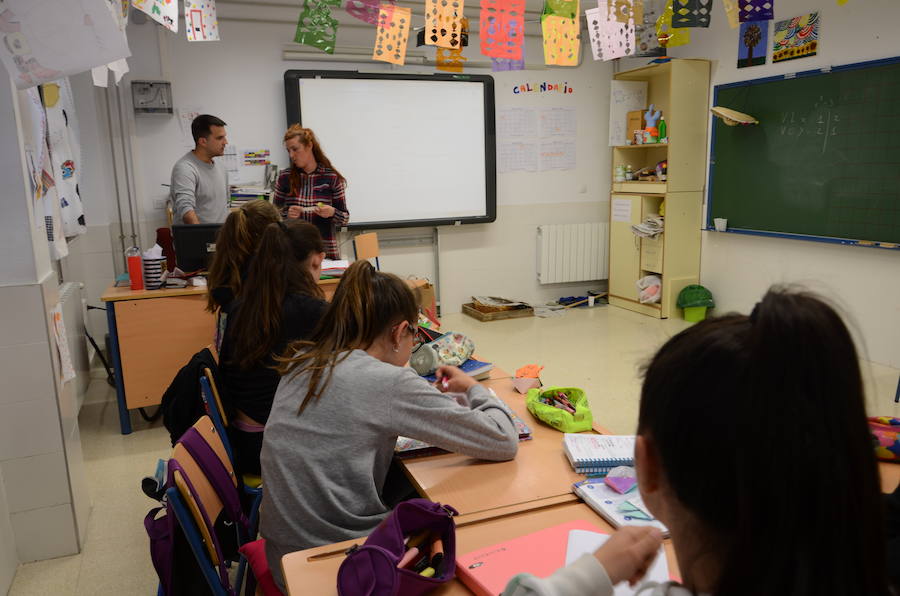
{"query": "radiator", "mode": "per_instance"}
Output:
(73, 309)
(572, 252)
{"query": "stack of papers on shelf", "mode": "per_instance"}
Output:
(332, 268)
(651, 227)
(244, 194)
(598, 454)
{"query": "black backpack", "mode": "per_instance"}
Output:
(181, 404)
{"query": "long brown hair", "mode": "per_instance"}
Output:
(235, 243)
(279, 268)
(366, 304)
(308, 138)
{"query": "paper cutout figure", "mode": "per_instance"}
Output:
(200, 20)
(753, 41)
(668, 35)
(392, 34)
(164, 12)
(316, 27)
(624, 10)
(364, 10)
(502, 28)
(756, 10)
(595, 18)
(617, 37)
(645, 39)
(452, 60)
(443, 23)
(796, 38)
(561, 40)
(691, 13)
(732, 12)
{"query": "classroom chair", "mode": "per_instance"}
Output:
(365, 246)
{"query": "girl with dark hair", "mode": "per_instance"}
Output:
(285, 304)
(753, 449)
(312, 189)
(345, 396)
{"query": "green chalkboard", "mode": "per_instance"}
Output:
(824, 162)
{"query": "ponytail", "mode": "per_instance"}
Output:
(365, 305)
(307, 137)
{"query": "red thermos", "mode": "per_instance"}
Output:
(135, 268)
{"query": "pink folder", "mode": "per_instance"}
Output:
(486, 571)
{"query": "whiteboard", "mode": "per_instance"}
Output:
(416, 150)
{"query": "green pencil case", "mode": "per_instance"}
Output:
(559, 419)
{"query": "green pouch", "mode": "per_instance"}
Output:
(560, 419)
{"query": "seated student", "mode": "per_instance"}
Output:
(345, 396)
(283, 303)
(753, 449)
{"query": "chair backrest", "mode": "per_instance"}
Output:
(214, 409)
(214, 390)
(190, 528)
(366, 246)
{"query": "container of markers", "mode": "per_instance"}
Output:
(564, 408)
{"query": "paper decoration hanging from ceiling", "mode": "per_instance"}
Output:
(691, 13)
(316, 26)
(506, 64)
(731, 11)
(365, 10)
(164, 12)
(561, 8)
(443, 26)
(668, 35)
(756, 10)
(796, 38)
(392, 34)
(502, 28)
(595, 18)
(617, 34)
(200, 20)
(65, 154)
(452, 60)
(645, 39)
(561, 40)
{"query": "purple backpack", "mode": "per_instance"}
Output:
(371, 569)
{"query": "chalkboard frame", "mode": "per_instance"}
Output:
(824, 71)
(294, 115)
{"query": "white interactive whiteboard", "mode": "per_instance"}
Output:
(416, 150)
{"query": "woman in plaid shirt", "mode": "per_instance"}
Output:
(311, 188)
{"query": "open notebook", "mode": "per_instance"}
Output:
(616, 508)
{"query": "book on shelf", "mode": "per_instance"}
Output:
(478, 369)
(618, 509)
(598, 454)
(334, 268)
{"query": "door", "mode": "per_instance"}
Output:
(624, 246)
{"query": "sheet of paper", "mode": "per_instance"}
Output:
(521, 156)
(617, 36)
(732, 12)
(45, 41)
(502, 28)
(230, 160)
(583, 542)
(200, 20)
(561, 40)
(753, 41)
(795, 38)
(621, 210)
(558, 122)
(624, 97)
(443, 26)
(67, 370)
(316, 27)
(392, 34)
(164, 12)
(557, 155)
(517, 122)
(595, 19)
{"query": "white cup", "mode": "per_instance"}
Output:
(720, 223)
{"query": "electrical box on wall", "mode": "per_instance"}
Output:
(151, 97)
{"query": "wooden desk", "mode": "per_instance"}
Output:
(540, 475)
(314, 571)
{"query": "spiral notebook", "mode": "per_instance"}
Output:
(598, 454)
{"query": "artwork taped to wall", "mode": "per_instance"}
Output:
(756, 10)
(316, 27)
(443, 23)
(502, 28)
(164, 12)
(200, 20)
(34, 52)
(753, 43)
(796, 38)
(557, 155)
(392, 34)
(691, 13)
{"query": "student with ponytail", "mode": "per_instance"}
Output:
(753, 449)
(285, 304)
(345, 396)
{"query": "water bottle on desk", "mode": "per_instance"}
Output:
(135, 268)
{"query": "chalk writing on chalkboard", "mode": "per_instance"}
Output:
(823, 123)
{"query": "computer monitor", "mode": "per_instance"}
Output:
(195, 245)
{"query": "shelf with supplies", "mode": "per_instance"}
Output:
(642, 188)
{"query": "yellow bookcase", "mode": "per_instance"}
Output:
(680, 88)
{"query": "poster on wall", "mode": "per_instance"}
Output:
(753, 43)
(796, 38)
(200, 20)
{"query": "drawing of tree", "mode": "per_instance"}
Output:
(752, 37)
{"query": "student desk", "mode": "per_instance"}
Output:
(314, 571)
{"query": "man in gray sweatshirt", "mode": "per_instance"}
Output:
(199, 190)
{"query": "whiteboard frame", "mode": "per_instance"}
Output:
(712, 152)
(294, 115)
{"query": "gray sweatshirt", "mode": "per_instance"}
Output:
(324, 470)
(201, 187)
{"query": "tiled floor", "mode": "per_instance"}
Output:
(599, 350)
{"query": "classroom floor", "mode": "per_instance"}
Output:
(598, 349)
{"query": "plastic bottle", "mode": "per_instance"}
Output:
(135, 268)
(663, 130)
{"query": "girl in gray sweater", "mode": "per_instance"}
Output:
(344, 397)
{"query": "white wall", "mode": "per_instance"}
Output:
(737, 268)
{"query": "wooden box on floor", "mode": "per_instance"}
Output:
(469, 309)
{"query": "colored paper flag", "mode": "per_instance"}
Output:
(364, 10)
(668, 35)
(502, 30)
(392, 34)
(316, 26)
(691, 13)
(595, 18)
(443, 26)
(561, 40)
(561, 8)
(164, 12)
(200, 20)
(452, 60)
(617, 37)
